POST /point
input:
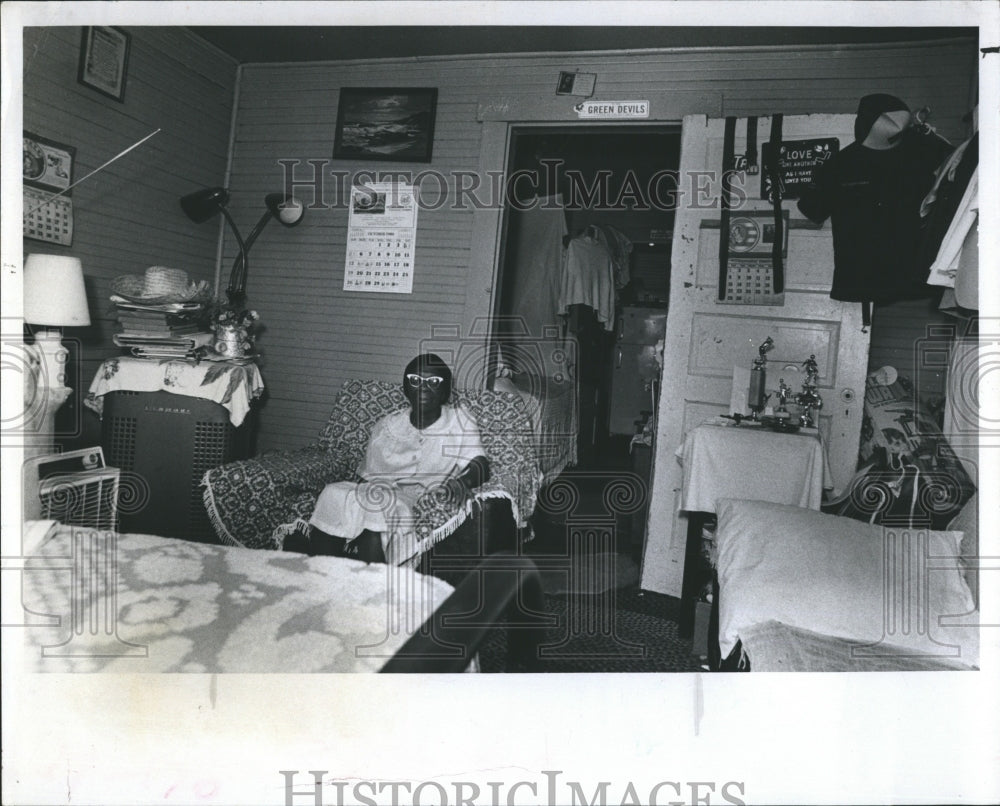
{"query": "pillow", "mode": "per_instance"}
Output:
(826, 574)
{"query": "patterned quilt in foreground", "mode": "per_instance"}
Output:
(139, 603)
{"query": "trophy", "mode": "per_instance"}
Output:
(809, 398)
(757, 395)
(784, 390)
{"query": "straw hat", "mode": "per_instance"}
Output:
(160, 285)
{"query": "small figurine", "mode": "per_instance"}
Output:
(809, 398)
(784, 390)
(812, 370)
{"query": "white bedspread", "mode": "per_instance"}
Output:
(139, 603)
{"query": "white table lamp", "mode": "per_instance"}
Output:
(54, 296)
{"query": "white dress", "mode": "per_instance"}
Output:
(401, 463)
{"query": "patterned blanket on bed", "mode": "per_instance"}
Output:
(104, 602)
(257, 502)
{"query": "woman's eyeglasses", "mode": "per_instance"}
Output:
(433, 382)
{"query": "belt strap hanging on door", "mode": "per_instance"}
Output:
(776, 191)
(728, 145)
(751, 156)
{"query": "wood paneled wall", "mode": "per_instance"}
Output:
(318, 335)
(127, 217)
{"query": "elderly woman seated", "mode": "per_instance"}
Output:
(432, 446)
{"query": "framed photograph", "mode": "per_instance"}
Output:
(47, 165)
(395, 123)
(104, 61)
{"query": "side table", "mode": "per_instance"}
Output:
(725, 460)
(163, 424)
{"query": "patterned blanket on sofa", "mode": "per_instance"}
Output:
(257, 502)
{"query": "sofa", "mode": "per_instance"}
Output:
(258, 502)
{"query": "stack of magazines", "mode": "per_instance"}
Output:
(167, 330)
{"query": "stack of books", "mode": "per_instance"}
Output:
(168, 330)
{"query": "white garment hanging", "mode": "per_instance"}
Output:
(537, 252)
(945, 265)
(588, 278)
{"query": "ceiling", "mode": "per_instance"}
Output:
(319, 43)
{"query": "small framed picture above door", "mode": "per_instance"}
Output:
(104, 61)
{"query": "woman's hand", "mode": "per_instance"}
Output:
(455, 492)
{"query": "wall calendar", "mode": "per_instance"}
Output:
(47, 178)
(47, 220)
(750, 266)
(381, 236)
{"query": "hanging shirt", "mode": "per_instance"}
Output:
(950, 211)
(620, 249)
(537, 262)
(873, 198)
(588, 279)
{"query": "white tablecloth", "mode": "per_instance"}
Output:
(751, 462)
(230, 384)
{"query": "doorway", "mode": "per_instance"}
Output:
(579, 194)
(609, 185)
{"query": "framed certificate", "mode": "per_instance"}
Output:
(104, 61)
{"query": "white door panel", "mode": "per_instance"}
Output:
(705, 340)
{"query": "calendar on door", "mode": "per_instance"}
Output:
(381, 236)
(750, 268)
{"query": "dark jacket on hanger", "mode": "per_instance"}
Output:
(873, 198)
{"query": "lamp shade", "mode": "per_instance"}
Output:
(203, 204)
(287, 209)
(54, 292)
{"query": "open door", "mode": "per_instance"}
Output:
(706, 338)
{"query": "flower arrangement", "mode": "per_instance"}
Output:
(235, 330)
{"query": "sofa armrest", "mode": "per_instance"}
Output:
(251, 500)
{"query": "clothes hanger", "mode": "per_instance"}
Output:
(920, 125)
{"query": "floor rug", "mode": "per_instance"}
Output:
(587, 573)
(622, 631)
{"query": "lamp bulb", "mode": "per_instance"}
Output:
(290, 211)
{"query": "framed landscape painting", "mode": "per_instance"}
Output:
(394, 123)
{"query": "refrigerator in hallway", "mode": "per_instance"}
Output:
(634, 367)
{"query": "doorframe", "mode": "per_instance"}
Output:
(515, 130)
(499, 115)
